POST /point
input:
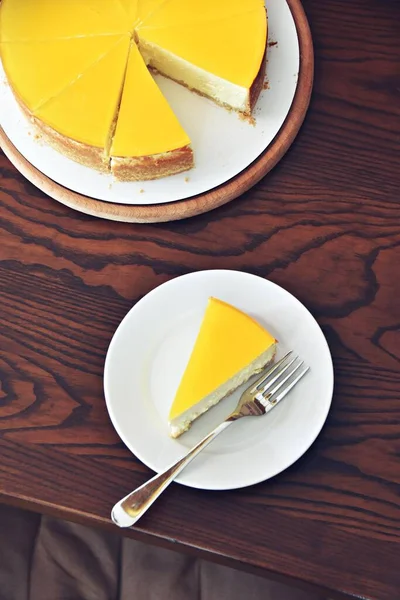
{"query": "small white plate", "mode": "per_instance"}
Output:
(223, 144)
(148, 355)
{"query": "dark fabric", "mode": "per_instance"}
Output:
(46, 559)
(72, 562)
(18, 533)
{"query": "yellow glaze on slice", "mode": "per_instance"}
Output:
(244, 35)
(228, 341)
(86, 109)
(146, 123)
(172, 13)
(38, 20)
(28, 65)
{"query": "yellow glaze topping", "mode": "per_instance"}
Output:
(90, 110)
(64, 62)
(29, 64)
(134, 135)
(38, 20)
(137, 10)
(228, 341)
(243, 34)
(130, 9)
(172, 13)
(146, 8)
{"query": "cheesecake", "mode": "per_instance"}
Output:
(82, 73)
(230, 347)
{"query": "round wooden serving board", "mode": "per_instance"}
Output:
(214, 198)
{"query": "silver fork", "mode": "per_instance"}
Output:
(258, 399)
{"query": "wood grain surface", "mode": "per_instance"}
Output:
(325, 225)
(214, 198)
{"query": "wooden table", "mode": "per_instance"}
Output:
(324, 225)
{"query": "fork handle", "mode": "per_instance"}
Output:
(129, 510)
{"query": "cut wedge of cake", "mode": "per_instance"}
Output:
(230, 348)
(147, 148)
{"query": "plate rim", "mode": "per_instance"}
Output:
(214, 198)
(139, 456)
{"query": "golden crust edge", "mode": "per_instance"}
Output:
(156, 166)
(84, 154)
(130, 168)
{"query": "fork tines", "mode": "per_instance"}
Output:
(279, 380)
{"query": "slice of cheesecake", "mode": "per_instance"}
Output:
(149, 142)
(230, 348)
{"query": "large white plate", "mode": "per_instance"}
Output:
(223, 144)
(148, 355)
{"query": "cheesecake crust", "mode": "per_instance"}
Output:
(129, 168)
(258, 84)
(89, 156)
(155, 166)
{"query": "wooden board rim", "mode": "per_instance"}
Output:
(182, 209)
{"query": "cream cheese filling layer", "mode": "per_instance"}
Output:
(195, 78)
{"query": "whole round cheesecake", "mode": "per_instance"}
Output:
(80, 70)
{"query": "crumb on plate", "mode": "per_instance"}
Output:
(248, 118)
